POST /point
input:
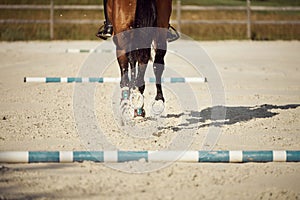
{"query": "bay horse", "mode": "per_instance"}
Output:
(135, 29)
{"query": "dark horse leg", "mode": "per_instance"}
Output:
(144, 57)
(132, 62)
(159, 63)
(164, 9)
(159, 66)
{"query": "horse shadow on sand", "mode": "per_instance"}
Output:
(233, 115)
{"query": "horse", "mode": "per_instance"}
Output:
(135, 30)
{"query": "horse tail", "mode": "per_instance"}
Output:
(145, 15)
(145, 19)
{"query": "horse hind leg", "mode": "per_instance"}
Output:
(123, 64)
(143, 59)
(136, 98)
(132, 61)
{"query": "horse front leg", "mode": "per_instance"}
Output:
(158, 67)
(125, 109)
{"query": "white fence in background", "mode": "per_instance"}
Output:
(178, 8)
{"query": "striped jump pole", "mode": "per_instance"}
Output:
(109, 80)
(149, 156)
(97, 51)
(90, 50)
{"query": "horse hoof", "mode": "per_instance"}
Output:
(139, 113)
(157, 107)
(124, 93)
(136, 99)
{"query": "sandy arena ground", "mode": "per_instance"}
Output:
(262, 87)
